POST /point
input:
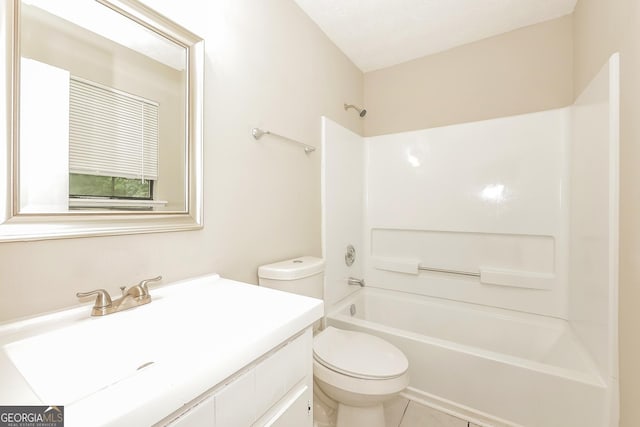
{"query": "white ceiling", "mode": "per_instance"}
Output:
(376, 34)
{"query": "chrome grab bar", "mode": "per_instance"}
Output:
(441, 270)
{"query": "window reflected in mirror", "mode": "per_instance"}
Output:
(102, 112)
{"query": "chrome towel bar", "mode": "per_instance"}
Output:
(259, 133)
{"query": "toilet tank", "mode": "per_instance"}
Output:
(302, 275)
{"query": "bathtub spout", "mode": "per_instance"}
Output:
(354, 281)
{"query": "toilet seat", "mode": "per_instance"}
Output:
(358, 355)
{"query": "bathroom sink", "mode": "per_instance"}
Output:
(67, 364)
(145, 362)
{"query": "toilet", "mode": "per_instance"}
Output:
(357, 371)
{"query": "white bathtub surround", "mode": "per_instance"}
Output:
(593, 255)
(343, 207)
(149, 361)
(518, 218)
(484, 198)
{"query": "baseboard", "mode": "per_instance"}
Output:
(479, 418)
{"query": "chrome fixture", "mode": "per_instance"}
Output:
(442, 270)
(350, 256)
(259, 133)
(360, 111)
(354, 281)
(132, 297)
(352, 309)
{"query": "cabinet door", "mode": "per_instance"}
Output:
(201, 415)
(235, 403)
(280, 372)
(296, 411)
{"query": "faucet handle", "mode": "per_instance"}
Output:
(143, 283)
(103, 299)
(141, 290)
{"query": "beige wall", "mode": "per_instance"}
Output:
(517, 72)
(600, 29)
(267, 65)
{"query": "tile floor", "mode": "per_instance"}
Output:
(401, 412)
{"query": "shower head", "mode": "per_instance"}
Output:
(361, 111)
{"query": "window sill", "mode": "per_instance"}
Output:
(114, 203)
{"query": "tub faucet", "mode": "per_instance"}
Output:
(134, 296)
(354, 281)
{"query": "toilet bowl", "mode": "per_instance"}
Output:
(358, 371)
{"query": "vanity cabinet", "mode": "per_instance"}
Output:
(275, 390)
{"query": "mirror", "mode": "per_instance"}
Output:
(107, 120)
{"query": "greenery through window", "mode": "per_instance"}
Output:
(111, 187)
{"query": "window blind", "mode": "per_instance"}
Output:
(111, 133)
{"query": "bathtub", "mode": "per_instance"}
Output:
(492, 366)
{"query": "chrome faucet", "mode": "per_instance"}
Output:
(134, 296)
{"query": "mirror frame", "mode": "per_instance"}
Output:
(20, 227)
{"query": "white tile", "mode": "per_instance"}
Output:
(394, 410)
(423, 416)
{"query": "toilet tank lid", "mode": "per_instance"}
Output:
(292, 269)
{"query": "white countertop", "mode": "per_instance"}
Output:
(197, 333)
